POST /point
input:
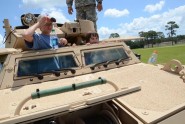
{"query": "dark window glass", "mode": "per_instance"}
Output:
(99, 56)
(67, 62)
(38, 66)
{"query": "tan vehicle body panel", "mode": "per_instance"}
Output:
(135, 92)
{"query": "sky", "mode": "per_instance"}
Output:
(126, 18)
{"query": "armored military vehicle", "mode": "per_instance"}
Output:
(102, 83)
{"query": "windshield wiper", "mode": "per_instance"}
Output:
(55, 72)
(97, 64)
(39, 76)
(109, 62)
(106, 63)
(120, 60)
(73, 71)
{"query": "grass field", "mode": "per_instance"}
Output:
(165, 54)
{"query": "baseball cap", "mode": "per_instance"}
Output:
(52, 19)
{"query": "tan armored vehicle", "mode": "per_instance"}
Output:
(102, 83)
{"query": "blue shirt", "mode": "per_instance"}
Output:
(40, 41)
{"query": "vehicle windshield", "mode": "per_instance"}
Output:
(104, 55)
(42, 65)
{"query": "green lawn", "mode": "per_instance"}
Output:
(165, 54)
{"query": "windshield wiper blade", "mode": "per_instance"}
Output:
(106, 63)
(120, 60)
(97, 64)
(109, 62)
(55, 72)
(73, 71)
(39, 76)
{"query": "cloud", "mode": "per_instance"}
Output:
(57, 13)
(104, 32)
(1, 42)
(154, 22)
(48, 7)
(42, 3)
(153, 8)
(116, 13)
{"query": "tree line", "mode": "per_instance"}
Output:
(152, 37)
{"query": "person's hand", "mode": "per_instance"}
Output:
(70, 10)
(63, 42)
(88, 43)
(74, 45)
(99, 7)
(43, 20)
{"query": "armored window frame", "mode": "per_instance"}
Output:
(16, 76)
(99, 49)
